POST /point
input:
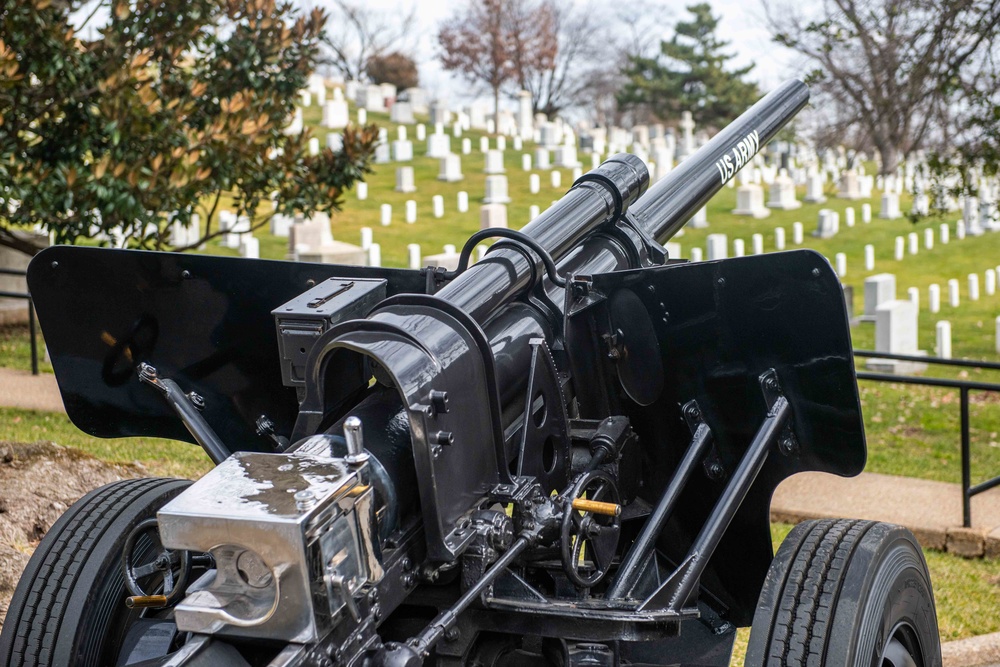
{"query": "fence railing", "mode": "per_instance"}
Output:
(31, 314)
(964, 387)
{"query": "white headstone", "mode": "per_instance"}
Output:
(841, 261)
(797, 233)
(534, 184)
(879, 289)
(996, 326)
(250, 247)
(411, 211)
(375, 255)
(404, 180)
(913, 294)
(401, 112)
(542, 159)
(953, 297)
(335, 114)
(890, 206)
(739, 248)
(496, 190)
(556, 179)
(526, 162)
(696, 255)
(450, 168)
(750, 201)
(866, 213)
(973, 287)
(402, 150)
(362, 117)
(438, 145)
(849, 187)
(717, 246)
(700, 219)
(934, 298)
(900, 248)
(849, 216)
(466, 146)
(943, 330)
(826, 224)
(959, 230)
(757, 243)
(463, 202)
(280, 224)
(361, 189)
(566, 157)
(386, 214)
(533, 212)
(869, 257)
(913, 241)
(944, 232)
(814, 189)
(896, 327)
(421, 131)
(990, 282)
(484, 144)
(413, 255)
(367, 237)
(438, 204)
(492, 215)
(494, 162)
(782, 194)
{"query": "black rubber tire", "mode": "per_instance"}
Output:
(69, 605)
(838, 592)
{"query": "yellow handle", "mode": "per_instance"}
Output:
(597, 507)
(146, 601)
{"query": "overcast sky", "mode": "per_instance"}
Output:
(742, 24)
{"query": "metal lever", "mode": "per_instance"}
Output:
(188, 408)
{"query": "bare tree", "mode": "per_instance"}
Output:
(357, 33)
(894, 63)
(557, 80)
(487, 39)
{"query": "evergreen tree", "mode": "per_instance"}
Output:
(690, 73)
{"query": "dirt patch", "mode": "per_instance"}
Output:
(38, 482)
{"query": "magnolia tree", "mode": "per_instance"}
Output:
(173, 108)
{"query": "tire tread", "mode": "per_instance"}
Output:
(40, 602)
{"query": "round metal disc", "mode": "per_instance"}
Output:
(640, 368)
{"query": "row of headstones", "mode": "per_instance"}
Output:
(750, 201)
(902, 245)
(717, 245)
(496, 184)
(881, 288)
(896, 319)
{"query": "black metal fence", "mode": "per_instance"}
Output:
(964, 387)
(31, 315)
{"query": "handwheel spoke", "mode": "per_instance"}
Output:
(168, 581)
(602, 547)
(145, 570)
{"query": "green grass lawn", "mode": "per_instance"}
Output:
(167, 458)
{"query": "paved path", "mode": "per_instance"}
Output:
(21, 389)
(932, 510)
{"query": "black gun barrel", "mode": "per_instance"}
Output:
(596, 199)
(664, 209)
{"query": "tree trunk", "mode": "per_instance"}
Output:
(890, 157)
(19, 242)
(496, 109)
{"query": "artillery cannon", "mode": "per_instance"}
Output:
(562, 454)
